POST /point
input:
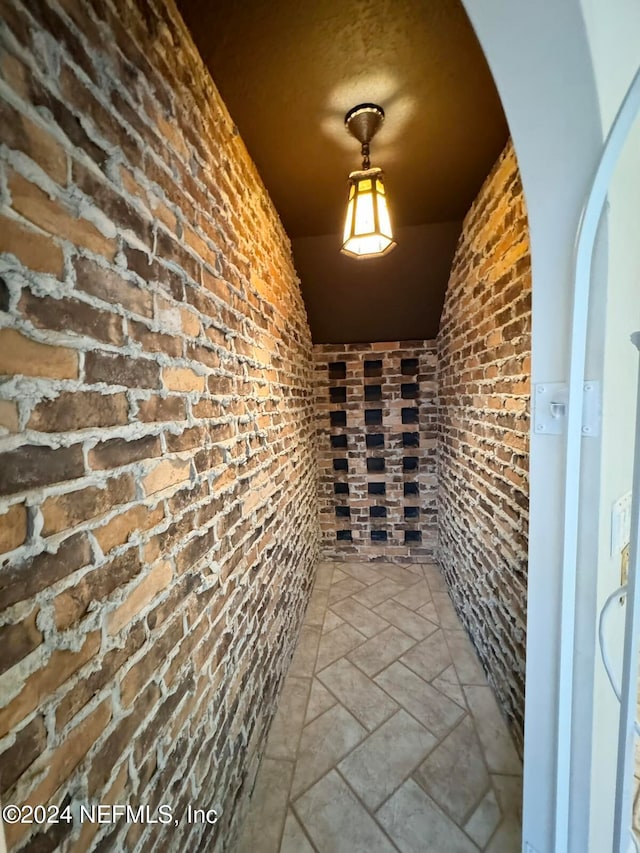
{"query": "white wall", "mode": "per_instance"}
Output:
(561, 69)
(539, 55)
(614, 34)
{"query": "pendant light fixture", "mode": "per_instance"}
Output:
(367, 228)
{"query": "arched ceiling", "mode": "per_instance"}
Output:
(289, 71)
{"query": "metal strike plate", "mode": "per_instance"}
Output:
(551, 403)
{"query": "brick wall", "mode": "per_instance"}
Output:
(484, 377)
(377, 434)
(158, 522)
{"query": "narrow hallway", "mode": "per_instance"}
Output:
(387, 736)
(201, 396)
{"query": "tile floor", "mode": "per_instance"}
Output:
(387, 736)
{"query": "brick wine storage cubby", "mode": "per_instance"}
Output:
(377, 422)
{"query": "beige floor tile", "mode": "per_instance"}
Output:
(336, 822)
(317, 607)
(379, 730)
(447, 683)
(508, 837)
(455, 775)
(324, 575)
(378, 593)
(434, 578)
(331, 621)
(448, 617)
(293, 840)
(265, 819)
(509, 793)
(430, 657)
(497, 745)
(320, 700)
(434, 710)
(483, 822)
(399, 574)
(381, 650)
(304, 657)
(464, 658)
(336, 644)
(360, 617)
(415, 596)
(345, 588)
(417, 825)
(286, 727)
(366, 701)
(428, 611)
(381, 762)
(338, 575)
(361, 571)
(408, 621)
(324, 742)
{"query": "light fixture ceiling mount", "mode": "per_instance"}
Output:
(363, 122)
(367, 228)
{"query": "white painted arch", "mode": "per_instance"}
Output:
(561, 68)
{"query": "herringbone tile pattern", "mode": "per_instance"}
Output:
(387, 736)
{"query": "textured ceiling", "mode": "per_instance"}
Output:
(289, 71)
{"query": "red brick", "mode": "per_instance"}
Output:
(119, 451)
(204, 355)
(71, 752)
(144, 669)
(94, 588)
(32, 90)
(70, 315)
(20, 581)
(186, 440)
(140, 596)
(121, 370)
(110, 201)
(169, 472)
(30, 742)
(96, 679)
(221, 385)
(29, 467)
(72, 410)
(122, 526)
(483, 345)
(54, 217)
(21, 356)
(13, 528)
(39, 686)
(162, 409)
(155, 341)
(18, 639)
(32, 248)
(109, 286)
(64, 511)
(155, 104)
(120, 739)
(9, 416)
(22, 134)
(182, 379)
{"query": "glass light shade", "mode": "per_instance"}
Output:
(367, 227)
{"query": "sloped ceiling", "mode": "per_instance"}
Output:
(289, 71)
